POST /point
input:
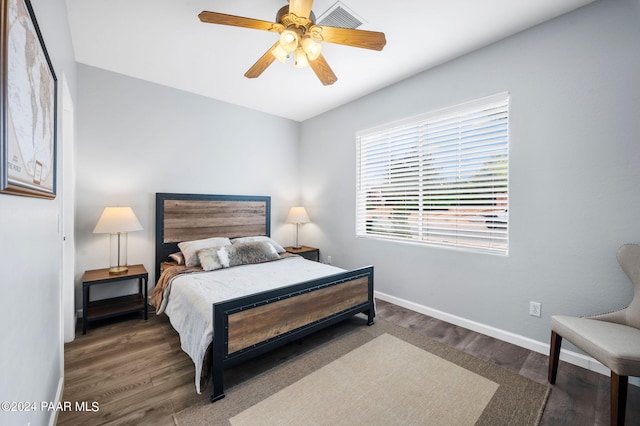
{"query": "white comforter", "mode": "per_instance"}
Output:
(190, 297)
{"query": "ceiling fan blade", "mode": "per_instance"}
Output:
(357, 38)
(301, 8)
(323, 71)
(239, 21)
(262, 63)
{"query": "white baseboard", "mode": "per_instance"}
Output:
(541, 347)
(54, 413)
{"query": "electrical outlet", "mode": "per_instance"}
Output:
(328, 260)
(535, 309)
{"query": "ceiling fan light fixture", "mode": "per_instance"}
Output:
(311, 48)
(300, 58)
(280, 53)
(299, 36)
(289, 40)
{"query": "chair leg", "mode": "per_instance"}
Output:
(554, 356)
(618, 398)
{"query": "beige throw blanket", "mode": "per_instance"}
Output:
(167, 275)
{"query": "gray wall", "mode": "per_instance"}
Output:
(575, 192)
(574, 174)
(137, 138)
(31, 338)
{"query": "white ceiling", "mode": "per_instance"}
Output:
(163, 41)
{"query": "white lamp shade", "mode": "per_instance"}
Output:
(117, 219)
(280, 54)
(311, 48)
(300, 58)
(298, 215)
(289, 40)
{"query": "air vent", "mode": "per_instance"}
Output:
(340, 16)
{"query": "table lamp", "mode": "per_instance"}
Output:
(298, 215)
(117, 221)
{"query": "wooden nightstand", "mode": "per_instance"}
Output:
(115, 306)
(307, 252)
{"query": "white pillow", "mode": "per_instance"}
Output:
(190, 248)
(257, 238)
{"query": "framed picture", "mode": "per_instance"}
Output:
(28, 92)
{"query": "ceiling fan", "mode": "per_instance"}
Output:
(300, 36)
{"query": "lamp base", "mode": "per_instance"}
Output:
(297, 245)
(118, 254)
(118, 270)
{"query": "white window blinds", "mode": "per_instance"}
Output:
(439, 178)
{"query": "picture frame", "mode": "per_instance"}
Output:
(28, 105)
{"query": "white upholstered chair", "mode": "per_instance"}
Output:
(613, 339)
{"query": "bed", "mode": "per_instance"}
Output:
(298, 296)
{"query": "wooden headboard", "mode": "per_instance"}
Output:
(186, 217)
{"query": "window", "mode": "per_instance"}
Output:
(439, 179)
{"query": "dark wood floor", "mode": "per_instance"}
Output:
(137, 374)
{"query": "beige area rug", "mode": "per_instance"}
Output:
(378, 375)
